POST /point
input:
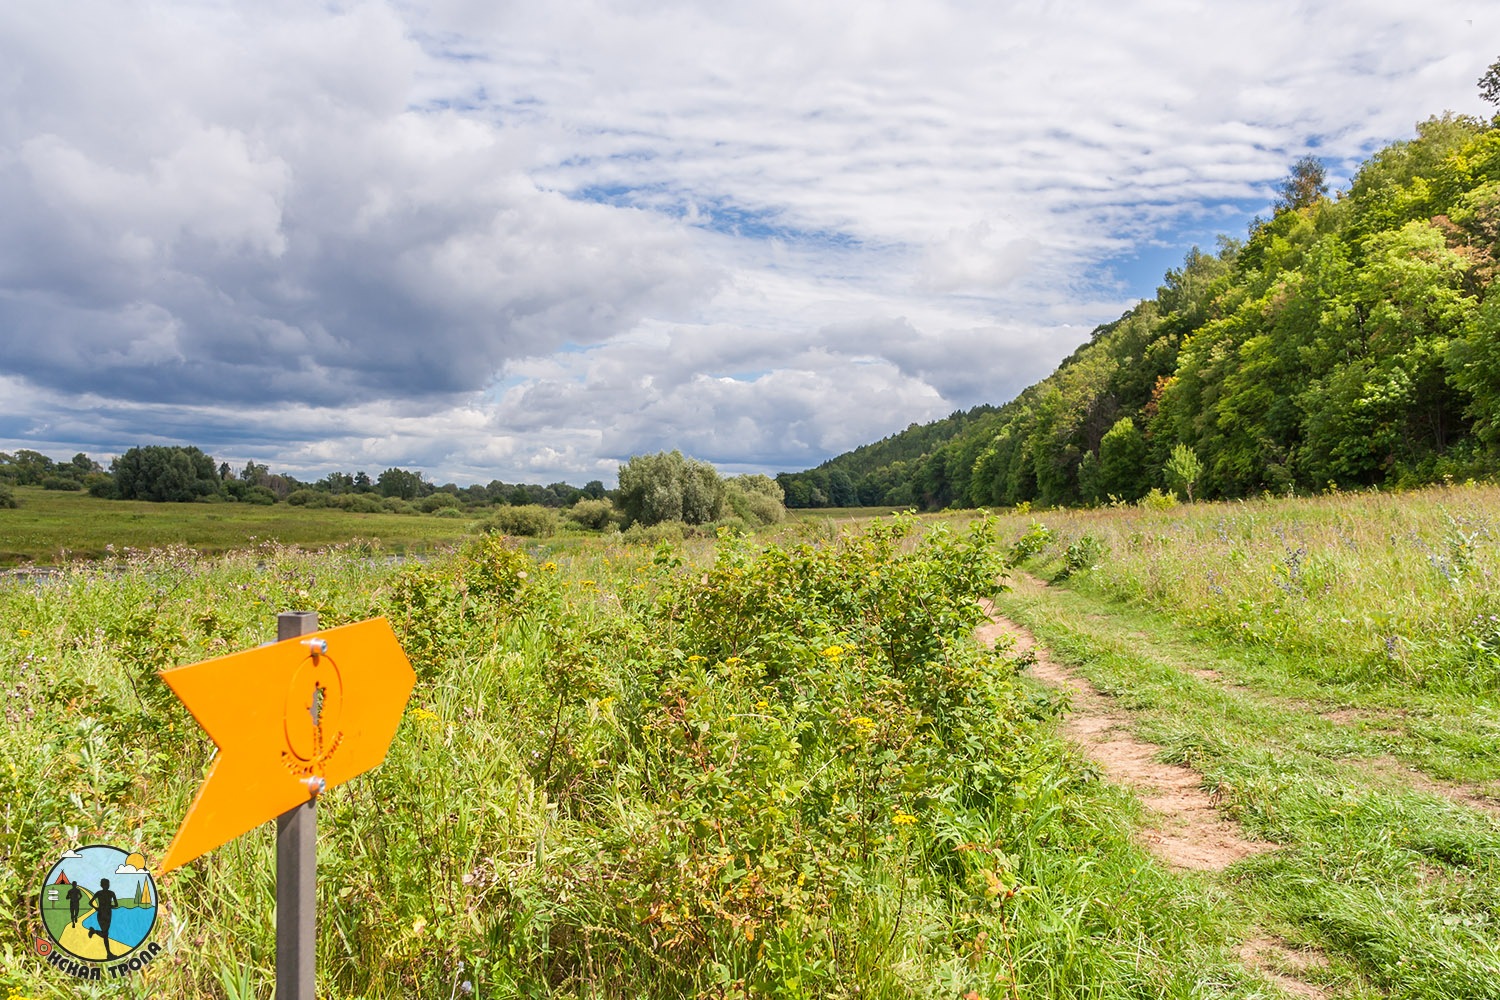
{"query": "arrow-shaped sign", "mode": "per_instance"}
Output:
(284, 716)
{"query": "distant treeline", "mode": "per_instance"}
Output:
(184, 474)
(1349, 342)
(661, 489)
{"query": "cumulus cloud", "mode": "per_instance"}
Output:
(527, 241)
(130, 870)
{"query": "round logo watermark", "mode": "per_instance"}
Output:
(98, 905)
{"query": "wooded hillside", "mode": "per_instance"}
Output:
(1349, 341)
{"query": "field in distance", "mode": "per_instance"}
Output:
(48, 527)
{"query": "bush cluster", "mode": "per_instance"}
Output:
(532, 520)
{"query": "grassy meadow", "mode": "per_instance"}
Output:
(48, 527)
(781, 765)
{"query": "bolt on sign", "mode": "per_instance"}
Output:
(290, 719)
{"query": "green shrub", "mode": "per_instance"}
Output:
(448, 512)
(396, 505)
(309, 498)
(61, 483)
(731, 526)
(437, 501)
(595, 515)
(532, 520)
(1083, 554)
(1157, 500)
(258, 495)
(666, 531)
(102, 486)
(7, 495)
(359, 503)
(755, 499)
(1037, 537)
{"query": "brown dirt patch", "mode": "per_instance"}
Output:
(1396, 771)
(1283, 965)
(1189, 832)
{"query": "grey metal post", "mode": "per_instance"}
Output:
(296, 869)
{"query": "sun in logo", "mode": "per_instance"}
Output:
(99, 904)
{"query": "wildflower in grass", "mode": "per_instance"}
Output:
(25, 632)
(761, 706)
(903, 819)
(833, 651)
(424, 716)
(549, 567)
(695, 658)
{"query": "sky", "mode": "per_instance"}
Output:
(525, 241)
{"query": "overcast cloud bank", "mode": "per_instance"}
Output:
(527, 243)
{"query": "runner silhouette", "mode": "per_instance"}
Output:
(104, 909)
(75, 896)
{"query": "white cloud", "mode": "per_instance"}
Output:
(130, 870)
(526, 241)
(69, 855)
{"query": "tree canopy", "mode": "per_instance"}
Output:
(1350, 342)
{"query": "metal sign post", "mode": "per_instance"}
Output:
(296, 868)
(291, 719)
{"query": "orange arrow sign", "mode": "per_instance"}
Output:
(283, 714)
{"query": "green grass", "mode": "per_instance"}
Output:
(1294, 719)
(632, 772)
(50, 527)
(781, 766)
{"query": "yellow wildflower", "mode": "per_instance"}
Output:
(903, 819)
(833, 651)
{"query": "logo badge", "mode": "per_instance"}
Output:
(98, 906)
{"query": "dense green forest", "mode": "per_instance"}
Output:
(1348, 341)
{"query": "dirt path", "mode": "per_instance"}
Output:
(1188, 831)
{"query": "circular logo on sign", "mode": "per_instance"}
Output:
(314, 710)
(99, 903)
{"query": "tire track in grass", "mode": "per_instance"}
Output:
(1385, 769)
(1189, 832)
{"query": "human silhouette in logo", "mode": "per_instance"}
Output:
(75, 896)
(104, 909)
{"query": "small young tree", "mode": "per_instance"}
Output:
(1183, 466)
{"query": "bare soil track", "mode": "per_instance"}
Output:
(1188, 830)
